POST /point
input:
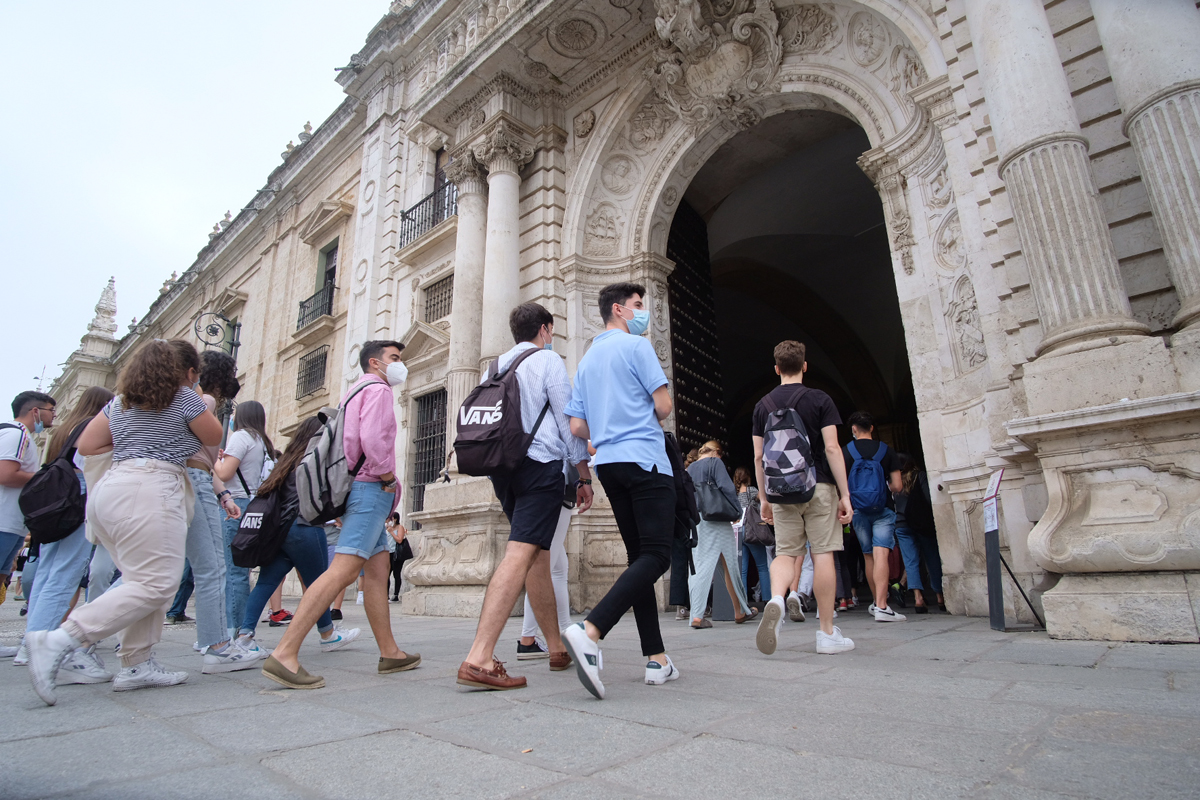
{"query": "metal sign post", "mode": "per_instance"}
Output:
(991, 544)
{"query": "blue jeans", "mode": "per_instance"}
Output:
(875, 529)
(203, 551)
(304, 549)
(61, 567)
(186, 587)
(759, 553)
(367, 508)
(914, 547)
(10, 545)
(237, 579)
(102, 573)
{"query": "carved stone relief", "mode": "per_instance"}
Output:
(807, 29)
(578, 36)
(537, 70)
(966, 330)
(907, 73)
(647, 126)
(602, 231)
(868, 38)
(620, 174)
(706, 69)
(669, 196)
(940, 190)
(948, 243)
(584, 122)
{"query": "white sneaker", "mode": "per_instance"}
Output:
(657, 674)
(9, 652)
(47, 651)
(232, 660)
(888, 615)
(819, 613)
(83, 666)
(359, 600)
(248, 645)
(833, 644)
(147, 675)
(871, 609)
(767, 638)
(340, 639)
(794, 608)
(586, 655)
(21, 659)
(195, 646)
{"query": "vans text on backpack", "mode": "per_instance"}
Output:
(52, 501)
(489, 441)
(865, 478)
(788, 466)
(323, 479)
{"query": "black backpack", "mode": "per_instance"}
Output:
(52, 501)
(264, 526)
(490, 441)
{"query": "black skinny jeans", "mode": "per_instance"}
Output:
(644, 506)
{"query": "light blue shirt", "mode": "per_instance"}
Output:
(613, 389)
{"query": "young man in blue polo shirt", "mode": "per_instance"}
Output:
(619, 400)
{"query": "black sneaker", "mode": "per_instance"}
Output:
(335, 613)
(527, 652)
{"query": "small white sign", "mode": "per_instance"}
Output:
(991, 515)
(993, 487)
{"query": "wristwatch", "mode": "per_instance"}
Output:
(387, 484)
(584, 482)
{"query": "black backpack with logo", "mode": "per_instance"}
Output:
(491, 439)
(52, 501)
(264, 526)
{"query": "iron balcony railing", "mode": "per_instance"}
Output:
(436, 208)
(310, 378)
(316, 306)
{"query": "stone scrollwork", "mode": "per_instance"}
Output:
(714, 57)
(907, 73)
(465, 172)
(884, 172)
(503, 149)
(647, 126)
(809, 29)
(966, 330)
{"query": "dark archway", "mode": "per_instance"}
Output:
(779, 236)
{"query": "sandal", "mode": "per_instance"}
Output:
(747, 617)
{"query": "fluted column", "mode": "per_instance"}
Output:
(1044, 164)
(1153, 51)
(503, 152)
(465, 172)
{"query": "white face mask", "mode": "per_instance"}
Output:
(397, 373)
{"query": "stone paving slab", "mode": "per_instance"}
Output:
(940, 707)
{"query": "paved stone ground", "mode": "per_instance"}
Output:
(938, 707)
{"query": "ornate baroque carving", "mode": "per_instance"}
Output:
(884, 171)
(647, 126)
(868, 38)
(907, 73)
(808, 28)
(577, 36)
(948, 243)
(620, 174)
(466, 173)
(584, 122)
(502, 149)
(709, 65)
(966, 331)
(602, 231)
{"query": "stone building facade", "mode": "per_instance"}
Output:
(982, 216)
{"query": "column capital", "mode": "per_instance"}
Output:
(465, 172)
(503, 149)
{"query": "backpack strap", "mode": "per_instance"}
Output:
(853, 448)
(880, 453)
(769, 402)
(69, 448)
(541, 416)
(354, 394)
(245, 488)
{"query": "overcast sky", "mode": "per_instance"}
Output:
(129, 128)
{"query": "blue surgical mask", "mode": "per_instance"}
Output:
(38, 427)
(640, 321)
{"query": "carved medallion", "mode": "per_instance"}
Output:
(360, 272)
(620, 174)
(537, 70)
(940, 189)
(669, 196)
(577, 36)
(646, 127)
(907, 72)
(602, 231)
(478, 117)
(948, 244)
(584, 122)
(809, 29)
(962, 314)
(868, 38)
(369, 192)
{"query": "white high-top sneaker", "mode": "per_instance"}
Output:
(83, 666)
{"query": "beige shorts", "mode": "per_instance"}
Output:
(814, 522)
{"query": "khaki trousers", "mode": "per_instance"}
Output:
(139, 512)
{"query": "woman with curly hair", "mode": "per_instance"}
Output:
(140, 512)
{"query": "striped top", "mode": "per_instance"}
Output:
(162, 435)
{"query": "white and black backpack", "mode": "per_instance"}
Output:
(788, 466)
(323, 478)
(491, 439)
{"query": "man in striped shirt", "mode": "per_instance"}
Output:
(32, 411)
(532, 497)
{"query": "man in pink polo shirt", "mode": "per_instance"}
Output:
(369, 433)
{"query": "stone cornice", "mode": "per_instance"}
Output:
(1111, 415)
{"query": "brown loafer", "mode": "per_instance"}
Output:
(704, 623)
(496, 678)
(300, 679)
(389, 665)
(560, 661)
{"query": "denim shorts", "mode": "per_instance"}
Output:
(10, 545)
(367, 508)
(875, 529)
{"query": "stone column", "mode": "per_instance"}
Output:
(467, 174)
(503, 152)
(1044, 163)
(1153, 50)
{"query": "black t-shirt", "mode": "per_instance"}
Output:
(817, 411)
(867, 449)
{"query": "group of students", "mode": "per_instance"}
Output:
(157, 483)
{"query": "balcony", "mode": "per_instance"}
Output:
(426, 215)
(315, 307)
(310, 377)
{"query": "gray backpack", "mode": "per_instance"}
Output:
(323, 478)
(788, 463)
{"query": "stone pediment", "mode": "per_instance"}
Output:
(423, 340)
(323, 220)
(229, 302)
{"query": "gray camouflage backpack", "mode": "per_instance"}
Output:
(323, 479)
(788, 466)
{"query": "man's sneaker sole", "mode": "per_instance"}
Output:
(767, 639)
(593, 685)
(233, 666)
(532, 656)
(795, 609)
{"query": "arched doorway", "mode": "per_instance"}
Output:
(780, 235)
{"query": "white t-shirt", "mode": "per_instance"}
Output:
(249, 450)
(15, 445)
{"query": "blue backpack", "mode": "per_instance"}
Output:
(868, 486)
